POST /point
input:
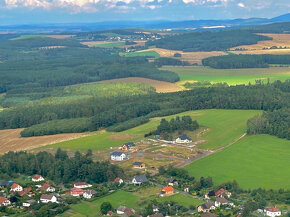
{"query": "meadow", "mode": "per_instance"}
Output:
(254, 162)
(108, 44)
(224, 127)
(230, 76)
(141, 53)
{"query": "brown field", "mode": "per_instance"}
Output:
(160, 86)
(10, 140)
(120, 137)
(60, 36)
(138, 43)
(279, 40)
(191, 57)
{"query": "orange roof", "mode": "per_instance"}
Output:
(36, 176)
(221, 192)
(168, 189)
(14, 185)
(272, 209)
(45, 186)
(2, 199)
(76, 190)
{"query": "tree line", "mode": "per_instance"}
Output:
(245, 61)
(59, 167)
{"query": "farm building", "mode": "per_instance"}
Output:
(4, 201)
(138, 180)
(167, 191)
(206, 207)
(37, 178)
(82, 185)
(183, 139)
(118, 156)
(47, 198)
(139, 165)
(272, 211)
(129, 146)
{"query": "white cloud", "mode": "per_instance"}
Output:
(241, 5)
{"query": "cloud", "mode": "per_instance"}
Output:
(241, 5)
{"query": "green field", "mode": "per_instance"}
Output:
(145, 53)
(225, 126)
(255, 161)
(230, 76)
(29, 37)
(109, 44)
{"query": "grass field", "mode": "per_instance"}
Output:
(138, 53)
(108, 44)
(230, 76)
(255, 161)
(28, 37)
(225, 126)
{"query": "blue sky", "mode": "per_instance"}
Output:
(64, 11)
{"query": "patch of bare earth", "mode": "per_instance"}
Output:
(160, 86)
(60, 36)
(120, 137)
(10, 140)
(191, 57)
(138, 43)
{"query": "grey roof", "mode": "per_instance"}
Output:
(141, 178)
(138, 163)
(115, 153)
(90, 191)
(130, 144)
(5, 184)
(222, 200)
(171, 180)
(184, 137)
(121, 208)
(206, 205)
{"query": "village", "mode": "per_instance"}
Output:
(28, 194)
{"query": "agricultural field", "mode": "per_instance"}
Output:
(104, 44)
(254, 162)
(141, 53)
(230, 76)
(41, 36)
(160, 86)
(219, 123)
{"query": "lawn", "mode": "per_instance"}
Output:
(29, 37)
(255, 161)
(230, 76)
(225, 126)
(182, 200)
(138, 53)
(109, 44)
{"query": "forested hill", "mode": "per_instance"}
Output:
(208, 41)
(281, 27)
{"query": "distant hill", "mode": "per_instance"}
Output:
(282, 18)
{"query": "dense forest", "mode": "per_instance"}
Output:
(59, 167)
(207, 41)
(103, 112)
(275, 123)
(282, 27)
(245, 61)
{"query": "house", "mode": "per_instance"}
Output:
(209, 194)
(4, 201)
(138, 180)
(118, 156)
(155, 208)
(16, 188)
(28, 203)
(138, 165)
(208, 214)
(166, 191)
(272, 211)
(76, 192)
(46, 187)
(171, 181)
(4, 184)
(121, 210)
(183, 139)
(26, 191)
(206, 207)
(125, 211)
(222, 193)
(118, 180)
(222, 201)
(129, 146)
(88, 194)
(156, 215)
(48, 198)
(82, 185)
(37, 178)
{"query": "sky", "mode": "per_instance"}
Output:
(79, 11)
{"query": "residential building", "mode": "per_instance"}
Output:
(28, 203)
(222, 201)
(183, 139)
(16, 188)
(167, 191)
(171, 181)
(209, 194)
(4, 201)
(156, 215)
(272, 211)
(48, 198)
(37, 178)
(118, 180)
(138, 165)
(82, 185)
(222, 193)
(88, 194)
(129, 146)
(206, 207)
(118, 156)
(47, 187)
(76, 192)
(138, 180)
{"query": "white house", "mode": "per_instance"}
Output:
(118, 156)
(183, 139)
(82, 185)
(118, 180)
(47, 198)
(88, 194)
(37, 178)
(138, 180)
(16, 188)
(46, 187)
(272, 211)
(206, 207)
(4, 201)
(28, 203)
(222, 201)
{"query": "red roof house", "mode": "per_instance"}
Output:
(222, 192)
(76, 192)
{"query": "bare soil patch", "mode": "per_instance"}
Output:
(10, 140)
(60, 36)
(160, 86)
(138, 43)
(120, 137)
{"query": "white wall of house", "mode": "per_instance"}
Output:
(178, 140)
(118, 158)
(52, 200)
(273, 214)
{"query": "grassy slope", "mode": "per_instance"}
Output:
(29, 37)
(255, 161)
(230, 76)
(109, 45)
(145, 53)
(225, 125)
